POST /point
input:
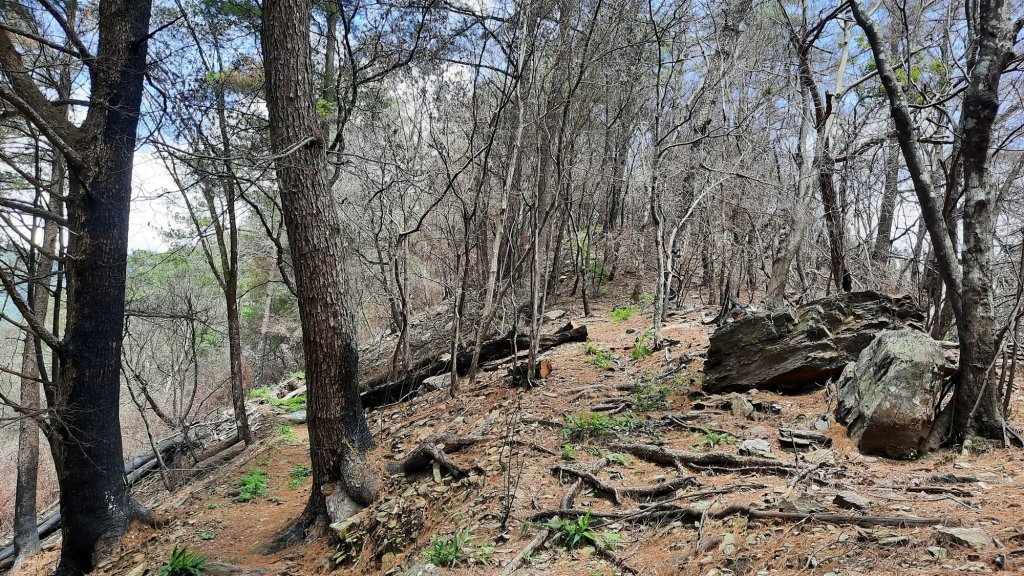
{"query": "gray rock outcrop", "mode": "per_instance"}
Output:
(789, 350)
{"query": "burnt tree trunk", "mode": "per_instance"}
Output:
(95, 503)
(338, 434)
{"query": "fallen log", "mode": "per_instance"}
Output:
(382, 393)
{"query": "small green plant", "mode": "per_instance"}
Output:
(647, 397)
(617, 459)
(622, 313)
(643, 346)
(264, 393)
(298, 475)
(591, 425)
(599, 356)
(573, 533)
(712, 439)
(568, 452)
(213, 505)
(252, 486)
(287, 434)
(183, 563)
(207, 535)
(449, 552)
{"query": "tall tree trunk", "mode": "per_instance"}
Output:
(26, 534)
(977, 404)
(883, 236)
(339, 437)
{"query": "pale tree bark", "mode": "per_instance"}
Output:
(883, 235)
(26, 535)
(799, 219)
(512, 176)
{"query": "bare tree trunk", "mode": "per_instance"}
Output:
(976, 406)
(339, 437)
(883, 236)
(799, 220)
(512, 174)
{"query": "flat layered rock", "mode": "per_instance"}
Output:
(792, 350)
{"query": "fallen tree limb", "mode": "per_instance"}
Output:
(618, 493)
(718, 461)
(382, 392)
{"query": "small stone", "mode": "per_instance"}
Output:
(822, 456)
(756, 447)
(297, 417)
(851, 501)
(427, 569)
(938, 552)
(554, 314)
(439, 382)
(971, 537)
(740, 406)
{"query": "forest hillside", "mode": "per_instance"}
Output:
(828, 509)
(510, 285)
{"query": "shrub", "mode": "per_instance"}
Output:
(599, 356)
(579, 531)
(287, 434)
(648, 397)
(712, 439)
(449, 552)
(643, 346)
(183, 563)
(622, 313)
(252, 486)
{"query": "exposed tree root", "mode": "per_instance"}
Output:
(436, 449)
(618, 493)
(689, 515)
(717, 461)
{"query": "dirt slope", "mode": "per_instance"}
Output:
(525, 436)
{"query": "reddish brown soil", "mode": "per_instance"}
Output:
(206, 519)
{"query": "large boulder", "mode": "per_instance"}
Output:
(887, 397)
(788, 350)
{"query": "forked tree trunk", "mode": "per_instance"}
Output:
(978, 408)
(339, 437)
(975, 404)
